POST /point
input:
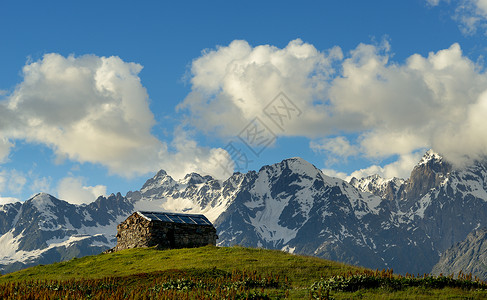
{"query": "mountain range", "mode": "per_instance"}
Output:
(293, 206)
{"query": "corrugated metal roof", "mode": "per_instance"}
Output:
(175, 218)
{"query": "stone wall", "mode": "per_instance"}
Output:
(137, 231)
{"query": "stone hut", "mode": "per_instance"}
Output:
(165, 231)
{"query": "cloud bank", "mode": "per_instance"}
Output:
(392, 108)
(355, 104)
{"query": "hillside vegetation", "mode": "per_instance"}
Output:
(221, 273)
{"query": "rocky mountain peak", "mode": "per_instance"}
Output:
(374, 184)
(160, 174)
(161, 179)
(428, 174)
(430, 156)
(192, 179)
(298, 165)
(40, 197)
(42, 200)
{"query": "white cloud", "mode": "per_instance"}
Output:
(338, 146)
(396, 109)
(186, 156)
(5, 146)
(89, 109)
(426, 103)
(92, 109)
(335, 149)
(95, 109)
(7, 200)
(232, 85)
(72, 190)
(482, 6)
(16, 181)
(470, 14)
(3, 180)
(335, 173)
(401, 168)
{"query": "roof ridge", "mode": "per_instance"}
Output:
(170, 217)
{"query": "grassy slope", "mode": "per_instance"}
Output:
(301, 271)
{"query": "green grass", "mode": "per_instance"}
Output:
(301, 270)
(199, 273)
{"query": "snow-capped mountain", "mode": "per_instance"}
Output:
(291, 205)
(44, 229)
(295, 207)
(435, 208)
(385, 188)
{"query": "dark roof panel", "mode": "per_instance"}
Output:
(175, 218)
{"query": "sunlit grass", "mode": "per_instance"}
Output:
(301, 270)
(203, 273)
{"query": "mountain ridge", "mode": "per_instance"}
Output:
(468, 256)
(290, 205)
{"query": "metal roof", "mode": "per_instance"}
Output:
(175, 218)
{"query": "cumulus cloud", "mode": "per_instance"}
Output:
(186, 156)
(73, 190)
(88, 108)
(395, 108)
(91, 109)
(233, 84)
(426, 102)
(95, 109)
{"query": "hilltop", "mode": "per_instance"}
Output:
(210, 273)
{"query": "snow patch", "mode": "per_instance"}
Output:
(8, 246)
(288, 249)
(423, 204)
(428, 156)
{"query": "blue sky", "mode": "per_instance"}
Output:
(96, 96)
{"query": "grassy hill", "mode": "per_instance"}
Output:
(221, 273)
